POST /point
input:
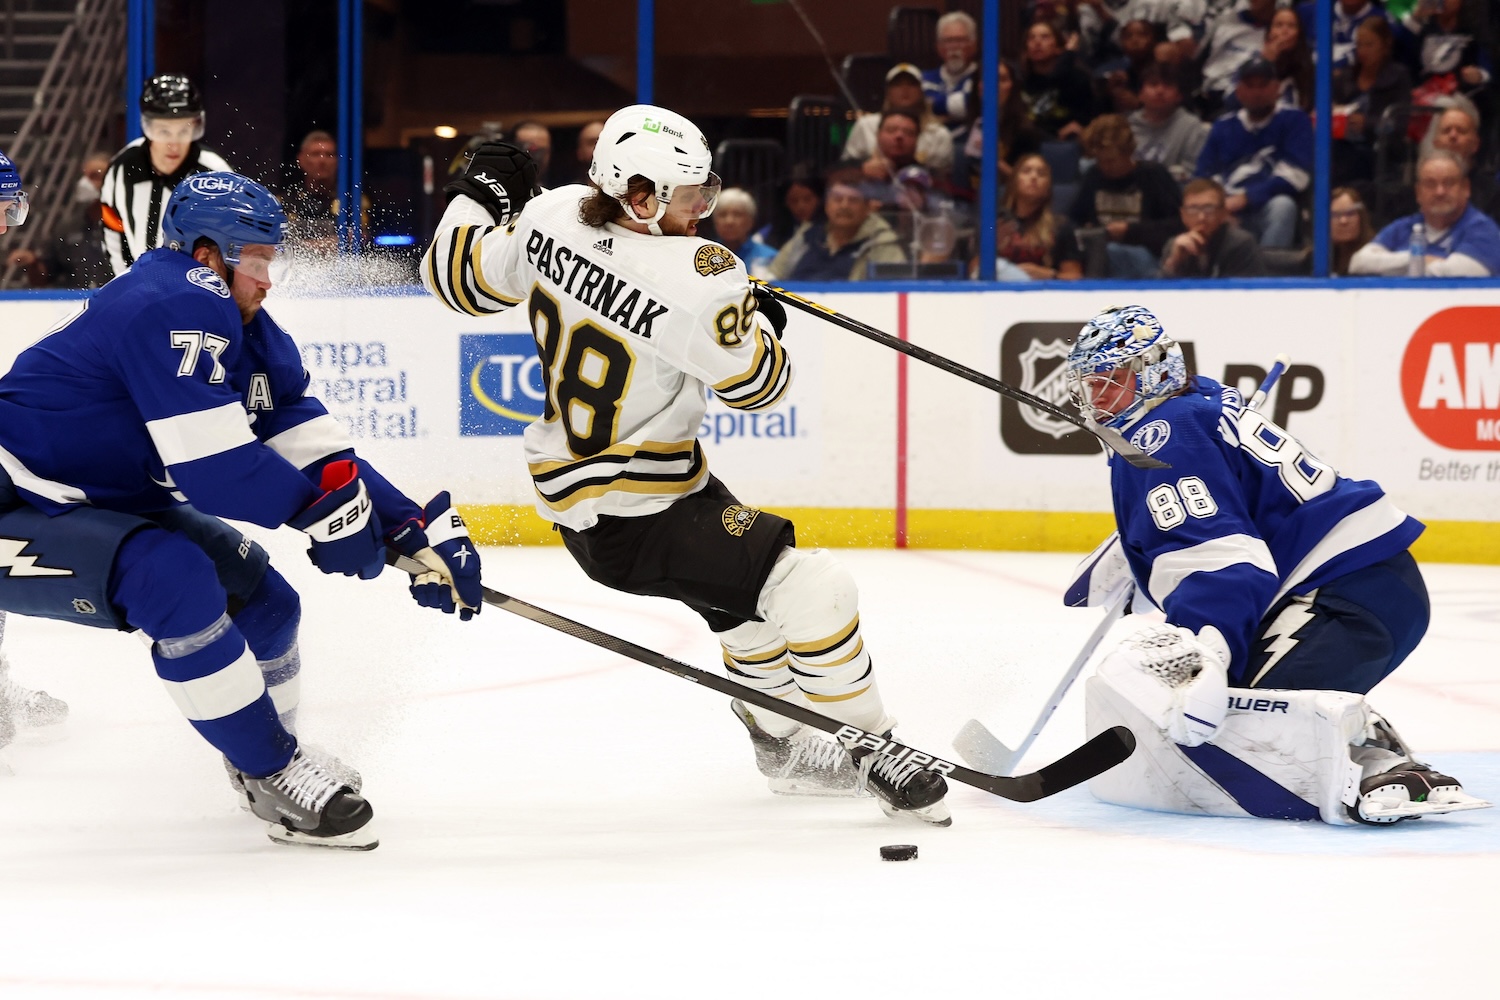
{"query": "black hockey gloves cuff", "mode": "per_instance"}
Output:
(771, 308)
(501, 176)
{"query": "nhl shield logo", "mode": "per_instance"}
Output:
(1049, 381)
(737, 519)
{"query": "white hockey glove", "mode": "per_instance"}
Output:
(1177, 679)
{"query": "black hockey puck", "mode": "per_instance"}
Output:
(898, 852)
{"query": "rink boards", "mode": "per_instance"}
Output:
(1397, 385)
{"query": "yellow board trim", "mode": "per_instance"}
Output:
(1003, 530)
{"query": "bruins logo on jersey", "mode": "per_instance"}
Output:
(713, 259)
(737, 519)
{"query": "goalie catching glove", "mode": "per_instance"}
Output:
(1177, 679)
(343, 525)
(502, 177)
(441, 543)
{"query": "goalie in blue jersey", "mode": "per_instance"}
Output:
(173, 400)
(1288, 590)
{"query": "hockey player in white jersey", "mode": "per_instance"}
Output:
(635, 317)
(1288, 589)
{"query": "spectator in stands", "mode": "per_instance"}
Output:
(1018, 136)
(1286, 49)
(1213, 246)
(1034, 243)
(1237, 36)
(1120, 78)
(950, 88)
(1180, 23)
(844, 246)
(1349, 228)
(536, 139)
(1165, 132)
(903, 92)
(799, 200)
(1459, 240)
(1446, 55)
(76, 259)
(1456, 129)
(734, 226)
(1057, 91)
(141, 176)
(311, 202)
(1348, 15)
(1138, 204)
(583, 154)
(1363, 91)
(1262, 156)
(895, 148)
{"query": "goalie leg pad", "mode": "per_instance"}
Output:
(813, 600)
(1277, 755)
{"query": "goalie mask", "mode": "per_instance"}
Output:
(1122, 364)
(660, 145)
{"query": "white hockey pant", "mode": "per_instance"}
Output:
(809, 650)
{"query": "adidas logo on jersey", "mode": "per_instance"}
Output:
(606, 246)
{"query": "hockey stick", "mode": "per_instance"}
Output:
(1111, 437)
(1095, 757)
(982, 748)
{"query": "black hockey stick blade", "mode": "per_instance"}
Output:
(1095, 757)
(1111, 437)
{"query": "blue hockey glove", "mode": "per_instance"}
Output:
(441, 543)
(343, 525)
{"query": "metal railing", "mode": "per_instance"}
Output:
(78, 96)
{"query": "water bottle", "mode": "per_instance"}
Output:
(1417, 266)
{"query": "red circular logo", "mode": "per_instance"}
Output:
(1450, 378)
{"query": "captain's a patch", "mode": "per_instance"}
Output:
(713, 259)
(737, 519)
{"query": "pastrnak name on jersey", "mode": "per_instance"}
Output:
(600, 290)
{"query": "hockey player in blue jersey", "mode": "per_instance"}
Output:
(173, 400)
(1288, 590)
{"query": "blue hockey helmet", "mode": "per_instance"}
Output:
(12, 193)
(229, 209)
(1123, 364)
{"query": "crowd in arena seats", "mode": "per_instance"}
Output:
(1164, 138)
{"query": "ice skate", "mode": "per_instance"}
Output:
(305, 803)
(904, 789)
(346, 774)
(804, 763)
(35, 716)
(1409, 791)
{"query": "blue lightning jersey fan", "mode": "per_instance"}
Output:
(182, 403)
(1244, 516)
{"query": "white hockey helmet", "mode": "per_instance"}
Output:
(657, 144)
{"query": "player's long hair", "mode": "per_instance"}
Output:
(599, 208)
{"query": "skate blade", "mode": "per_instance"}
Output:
(936, 814)
(784, 786)
(363, 839)
(1438, 804)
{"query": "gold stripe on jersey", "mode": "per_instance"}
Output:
(822, 647)
(825, 698)
(434, 273)
(763, 383)
(621, 469)
(758, 663)
(477, 265)
(457, 260)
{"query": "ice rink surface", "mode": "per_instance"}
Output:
(560, 822)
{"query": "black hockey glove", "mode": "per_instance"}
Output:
(771, 308)
(501, 176)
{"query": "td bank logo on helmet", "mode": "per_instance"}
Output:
(652, 125)
(500, 384)
(1450, 378)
